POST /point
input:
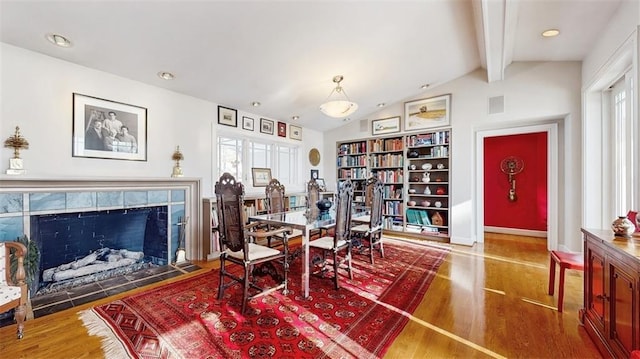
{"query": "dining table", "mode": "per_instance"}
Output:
(304, 220)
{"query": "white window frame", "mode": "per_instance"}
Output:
(273, 149)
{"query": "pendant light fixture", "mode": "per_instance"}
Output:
(338, 104)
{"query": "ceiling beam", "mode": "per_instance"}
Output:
(496, 23)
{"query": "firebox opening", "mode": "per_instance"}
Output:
(79, 248)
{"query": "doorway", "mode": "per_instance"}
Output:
(551, 130)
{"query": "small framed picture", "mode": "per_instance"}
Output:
(108, 129)
(385, 125)
(321, 184)
(261, 176)
(266, 126)
(227, 116)
(247, 123)
(295, 132)
(282, 129)
(427, 113)
(314, 174)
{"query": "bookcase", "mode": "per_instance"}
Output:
(428, 183)
(414, 168)
(352, 163)
(386, 162)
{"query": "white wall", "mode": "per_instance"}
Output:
(534, 93)
(36, 94)
(615, 53)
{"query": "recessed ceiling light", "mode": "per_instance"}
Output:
(166, 75)
(255, 104)
(58, 40)
(295, 118)
(382, 104)
(424, 86)
(551, 33)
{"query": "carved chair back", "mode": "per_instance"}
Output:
(275, 197)
(229, 197)
(376, 188)
(344, 200)
(313, 193)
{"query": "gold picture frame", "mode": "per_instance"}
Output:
(427, 113)
(261, 176)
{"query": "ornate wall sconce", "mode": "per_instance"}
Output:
(511, 166)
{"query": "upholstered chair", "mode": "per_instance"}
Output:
(13, 294)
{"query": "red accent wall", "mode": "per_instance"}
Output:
(529, 211)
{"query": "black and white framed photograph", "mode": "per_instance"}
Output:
(427, 113)
(108, 129)
(385, 125)
(295, 132)
(266, 126)
(247, 123)
(261, 176)
(314, 174)
(227, 116)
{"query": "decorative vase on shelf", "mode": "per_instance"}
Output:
(412, 167)
(425, 203)
(426, 178)
(427, 166)
(622, 227)
(413, 154)
(436, 219)
(427, 190)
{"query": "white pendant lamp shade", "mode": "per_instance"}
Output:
(338, 104)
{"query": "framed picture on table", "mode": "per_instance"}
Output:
(261, 176)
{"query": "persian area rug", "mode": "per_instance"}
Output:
(360, 320)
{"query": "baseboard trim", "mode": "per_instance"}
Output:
(516, 231)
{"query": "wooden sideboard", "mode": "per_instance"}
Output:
(611, 312)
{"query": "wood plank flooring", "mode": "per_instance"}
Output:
(487, 301)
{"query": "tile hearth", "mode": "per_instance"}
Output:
(50, 303)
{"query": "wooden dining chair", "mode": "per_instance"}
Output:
(275, 197)
(371, 233)
(313, 196)
(13, 288)
(237, 244)
(341, 238)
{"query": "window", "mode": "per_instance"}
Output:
(280, 157)
(624, 147)
(230, 156)
(287, 160)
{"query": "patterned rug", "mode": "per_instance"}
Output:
(360, 320)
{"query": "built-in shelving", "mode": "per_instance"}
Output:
(415, 171)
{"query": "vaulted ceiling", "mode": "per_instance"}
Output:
(284, 54)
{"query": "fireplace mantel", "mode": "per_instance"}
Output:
(21, 197)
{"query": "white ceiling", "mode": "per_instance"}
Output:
(284, 54)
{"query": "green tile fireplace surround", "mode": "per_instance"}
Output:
(21, 198)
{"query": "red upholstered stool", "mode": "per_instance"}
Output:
(566, 261)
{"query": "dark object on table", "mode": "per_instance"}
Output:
(324, 205)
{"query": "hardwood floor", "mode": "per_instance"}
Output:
(487, 301)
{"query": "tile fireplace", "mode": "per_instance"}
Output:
(84, 226)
